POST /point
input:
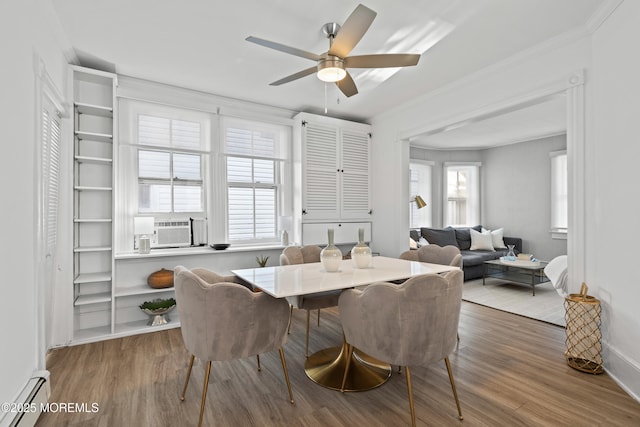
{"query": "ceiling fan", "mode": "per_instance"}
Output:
(332, 65)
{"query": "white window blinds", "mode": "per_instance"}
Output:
(559, 192)
(170, 174)
(420, 185)
(462, 191)
(254, 153)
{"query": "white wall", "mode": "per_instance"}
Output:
(613, 208)
(516, 194)
(24, 35)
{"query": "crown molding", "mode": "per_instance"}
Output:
(602, 14)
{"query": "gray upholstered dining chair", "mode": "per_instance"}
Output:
(301, 255)
(213, 277)
(434, 254)
(226, 321)
(411, 324)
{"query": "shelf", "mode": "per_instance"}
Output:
(92, 299)
(140, 326)
(139, 290)
(94, 110)
(92, 277)
(94, 160)
(92, 220)
(91, 334)
(92, 249)
(94, 136)
(87, 188)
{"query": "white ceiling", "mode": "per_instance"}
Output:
(200, 44)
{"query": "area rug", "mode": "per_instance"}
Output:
(516, 298)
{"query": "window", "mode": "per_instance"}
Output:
(169, 178)
(420, 185)
(462, 204)
(163, 166)
(254, 154)
(169, 168)
(559, 194)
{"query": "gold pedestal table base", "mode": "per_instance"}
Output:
(327, 366)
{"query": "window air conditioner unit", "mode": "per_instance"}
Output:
(171, 234)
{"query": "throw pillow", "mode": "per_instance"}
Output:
(412, 244)
(497, 239)
(440, 237)
(463, 236)
(422, 242)
(481, 241)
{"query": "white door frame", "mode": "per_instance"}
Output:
(572, 86)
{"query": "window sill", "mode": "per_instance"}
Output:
(199, 250)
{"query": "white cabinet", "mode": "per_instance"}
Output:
(331, 171)
(93, 94)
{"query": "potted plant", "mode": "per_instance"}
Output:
(158, 310)
(262, 260)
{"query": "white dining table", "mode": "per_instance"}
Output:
(326, 367)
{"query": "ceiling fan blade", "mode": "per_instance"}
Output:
(382, 60)
(295, 76)
(347, 86)
(352, 31)
(283, 48)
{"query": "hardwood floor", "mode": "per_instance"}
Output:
(509, 371)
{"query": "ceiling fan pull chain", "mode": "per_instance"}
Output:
(325, 98)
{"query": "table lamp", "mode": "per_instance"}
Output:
(143, 227)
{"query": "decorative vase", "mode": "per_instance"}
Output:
(361, 253)
(331, 257)
(161, 279)
(511, 255)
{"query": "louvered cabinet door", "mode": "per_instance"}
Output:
(354, 180)
(320, 190)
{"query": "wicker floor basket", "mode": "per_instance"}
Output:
(584, 345)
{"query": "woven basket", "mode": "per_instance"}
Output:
(584, 346)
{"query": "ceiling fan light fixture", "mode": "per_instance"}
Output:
(331, 70)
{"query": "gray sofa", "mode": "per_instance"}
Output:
(472, 261)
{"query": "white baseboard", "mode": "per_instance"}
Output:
(625, 372)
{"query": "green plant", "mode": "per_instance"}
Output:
(262, 260)
(158, 304)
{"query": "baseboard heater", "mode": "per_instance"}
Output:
(34, 396)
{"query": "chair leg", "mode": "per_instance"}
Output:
(318, 317)
(286, 374)
(184, 390)
(410, 390)
(204, 392)
(290, 319)
(306, 351)
(346, 368)
(453, 386)
(258, 359)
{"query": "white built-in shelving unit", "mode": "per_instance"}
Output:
(94, 126)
